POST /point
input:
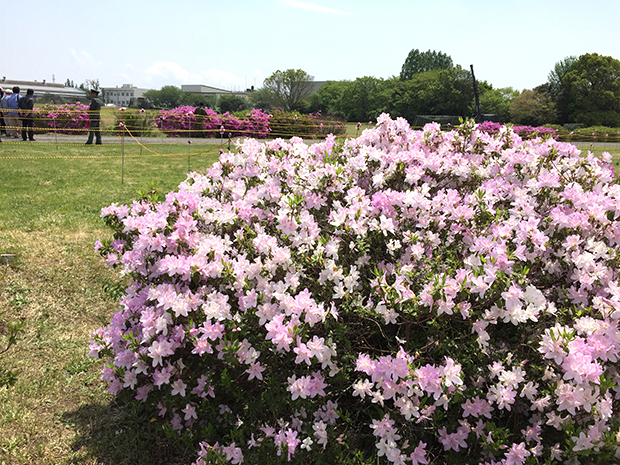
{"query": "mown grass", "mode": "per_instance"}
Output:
(58, 411)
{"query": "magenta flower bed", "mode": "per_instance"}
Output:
(64, 119)
(181, 122)
(408, 297)
(522, 131)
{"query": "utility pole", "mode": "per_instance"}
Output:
(478, 114)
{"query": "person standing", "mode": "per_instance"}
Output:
(94, 113)
(199, 124)
(26, 105)
(13, 122)
(2, 100)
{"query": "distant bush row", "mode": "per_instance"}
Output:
(182, 122)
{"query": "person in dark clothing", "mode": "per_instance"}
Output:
(2, 128)
(26, 106)
(199, 125)
(94, 113)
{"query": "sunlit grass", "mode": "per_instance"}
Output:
(58, 411)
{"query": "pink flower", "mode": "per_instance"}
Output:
(190, 412)
(178, 388)
(255, 371)
(517, 454)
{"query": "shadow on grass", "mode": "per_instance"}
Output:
(124, 433)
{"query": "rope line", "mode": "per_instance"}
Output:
(154, 153)
(173, 155)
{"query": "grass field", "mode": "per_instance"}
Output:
(58, 411)
(58, 289)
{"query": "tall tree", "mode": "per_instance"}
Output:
(435, 92)
(289, 88)
(533, 108)
(263, 99)
(557, 74)
(90, 84)
(420, 62)
(330, 95)
(557, 88)
(366, 98)
(497, 101)
(168, 97)
(593, 84)
(232, 103)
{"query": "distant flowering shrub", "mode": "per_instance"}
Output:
(530, 131)
(137, 122)
(181, 122)
(311, 126)
(405, 297)
(523, 131)
(70, 118)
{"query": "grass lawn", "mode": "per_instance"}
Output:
(58, 410)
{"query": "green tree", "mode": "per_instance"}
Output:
(435, 92)
(366, 98)
(559, 71)
(497, 101)
(167, 97)
(314, 104)
(593, 85)
(420, 62)
(557, 88)
(533, 108)
(330, 95)
(189, 98)
(232, 103)
(288, 88)
(262, 99)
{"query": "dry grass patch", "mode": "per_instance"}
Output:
(59, 411)
(48, 289)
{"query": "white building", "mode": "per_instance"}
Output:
(121, 96)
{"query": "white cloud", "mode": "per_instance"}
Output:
(313, 7)
(168, 69)
(85, 59)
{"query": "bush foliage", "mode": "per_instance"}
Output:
(182, 122)
(69, 118)
(405, 297)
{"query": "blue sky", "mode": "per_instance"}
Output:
(235, 44)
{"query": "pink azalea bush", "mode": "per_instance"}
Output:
(405, 297)
(523, 131)
(181, 122)
(70, 118)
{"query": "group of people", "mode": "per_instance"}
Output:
(17, 112)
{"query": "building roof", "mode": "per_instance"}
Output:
(42, 88)
(125, 87)
(200, 89)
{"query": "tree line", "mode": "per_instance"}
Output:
(583, 90)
